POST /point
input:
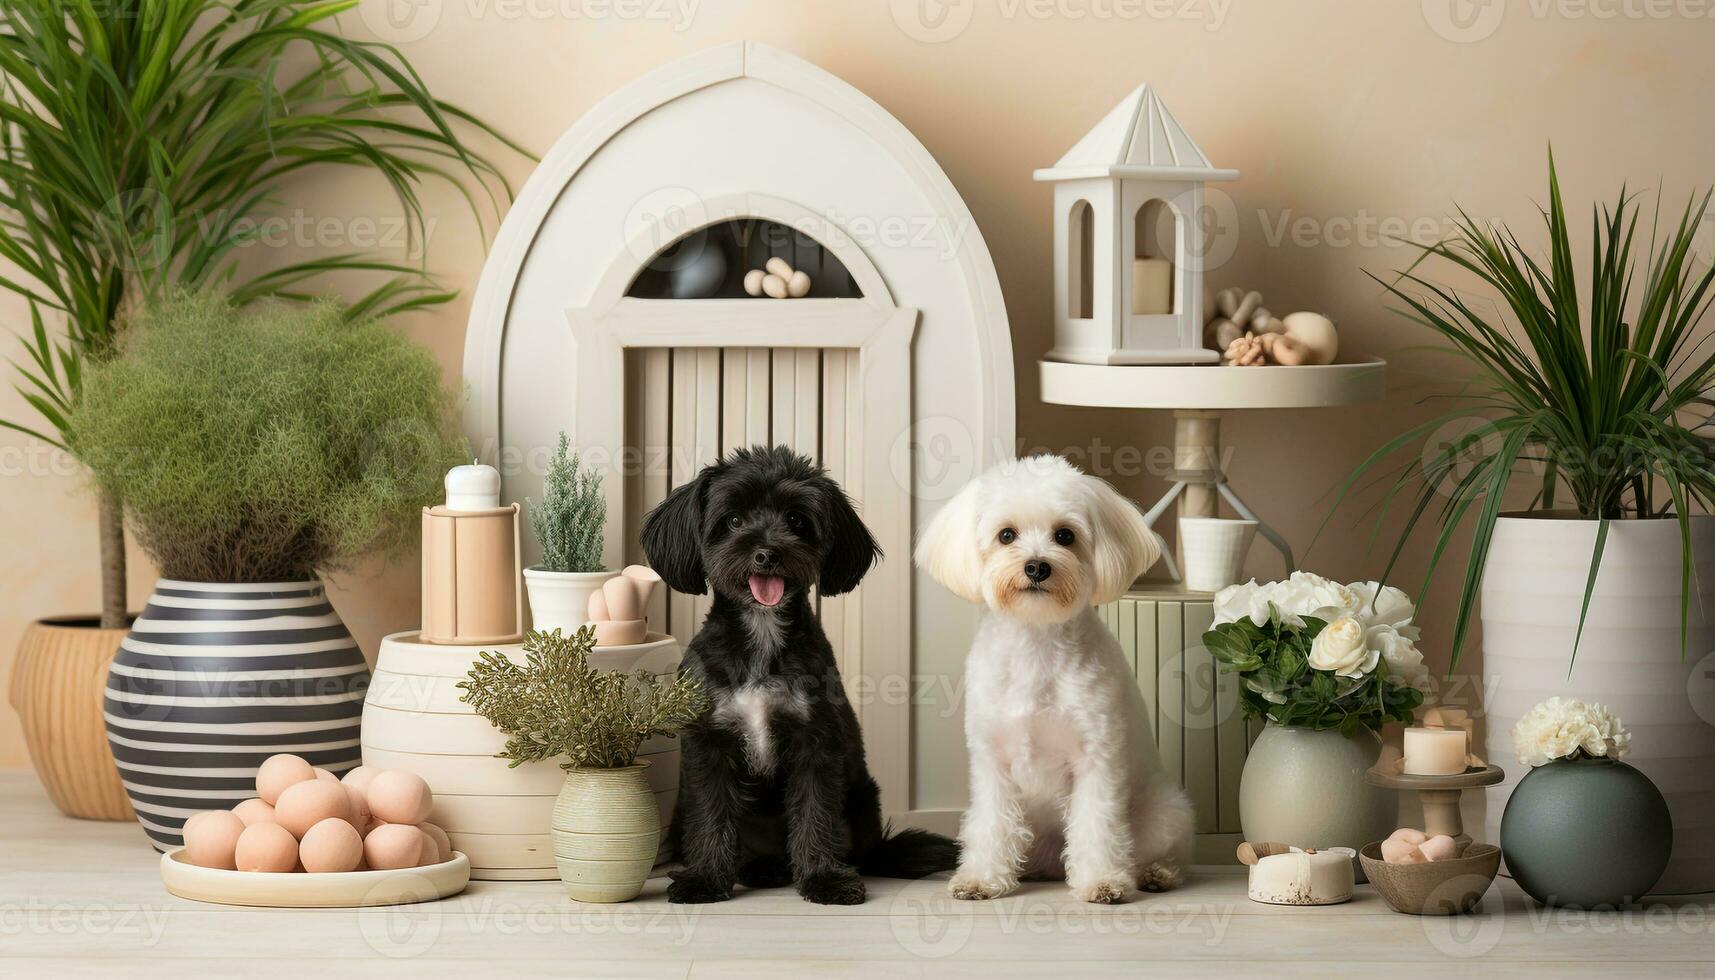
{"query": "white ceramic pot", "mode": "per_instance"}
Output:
(1629, 659)
(606, 833)
(561, 600)
(1215, 549)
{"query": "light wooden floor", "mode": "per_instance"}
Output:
(84, 899)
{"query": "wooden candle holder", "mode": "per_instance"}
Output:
(1440, 795)
(472, 578)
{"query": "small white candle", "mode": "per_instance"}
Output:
(1435, 751)
(1151, 286)
(473, 487)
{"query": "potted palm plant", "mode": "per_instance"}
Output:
(568, 523)
(606, 827)
(1595, 393)
(145, 145)
(254, 450)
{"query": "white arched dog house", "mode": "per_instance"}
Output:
(902, 341)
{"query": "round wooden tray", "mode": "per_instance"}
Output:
(301, 890)
(1192, 386)
(1469, 779)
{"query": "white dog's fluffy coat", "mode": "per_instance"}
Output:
(1065, 779)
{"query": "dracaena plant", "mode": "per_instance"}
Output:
(1596, 393)
(145, 143)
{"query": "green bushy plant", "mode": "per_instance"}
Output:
(555, 704)
(265, 444)
(150, 144)
(568, 521)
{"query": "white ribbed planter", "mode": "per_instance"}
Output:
(606, 833)
(499, 815)
(1629, 659)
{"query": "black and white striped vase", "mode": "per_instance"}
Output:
(214, 678)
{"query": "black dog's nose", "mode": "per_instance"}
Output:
(1037, 571)
(764, 558)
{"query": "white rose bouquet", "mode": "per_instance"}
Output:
(1566, 728)
(1318, 654)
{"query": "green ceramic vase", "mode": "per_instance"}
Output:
(1306, 787)
(1586, 833)
(606, 833)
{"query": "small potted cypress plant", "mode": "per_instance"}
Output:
(606, 826)
(254, 451)
(568, 523)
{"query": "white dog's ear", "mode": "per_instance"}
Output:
(948, 548)
(1124, 546)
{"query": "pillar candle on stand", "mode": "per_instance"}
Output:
(473, 486)
(1435, 751)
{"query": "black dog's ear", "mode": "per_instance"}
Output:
(851, 550)
(673, 538)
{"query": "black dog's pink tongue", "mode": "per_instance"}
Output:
(767, 589)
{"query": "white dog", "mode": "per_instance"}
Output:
(1065, 780)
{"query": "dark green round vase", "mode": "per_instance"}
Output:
(1586, 833)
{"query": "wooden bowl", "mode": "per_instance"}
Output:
(303, 890)
(1434, 888)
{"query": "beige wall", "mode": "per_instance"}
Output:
(1350, 121)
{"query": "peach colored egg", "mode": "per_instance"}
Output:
(359, 778)
(360, 815)
(279, 772)
(1439, 848)
(303, 805)
(267, 847)
(392, 846)
(1401, 843)
(254, 811)
(211, 838)
(332, 845)
(397, 796)
(443, 844)
(431, 850)
(325, 775)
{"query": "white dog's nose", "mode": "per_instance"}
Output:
(1038, 571)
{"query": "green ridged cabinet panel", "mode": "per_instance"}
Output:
(1194, 709)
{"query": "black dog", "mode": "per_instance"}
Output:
(773, 788)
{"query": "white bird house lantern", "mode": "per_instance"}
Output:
(1129, 242)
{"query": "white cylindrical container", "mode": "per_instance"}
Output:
(1214, 549)
(561, 600)
(500, 816)
(1630, 659)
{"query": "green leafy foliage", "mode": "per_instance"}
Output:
(571, 516)
(266, 444)
(1597, 392)
(1279, 685)
(555, 704)
(146, 143)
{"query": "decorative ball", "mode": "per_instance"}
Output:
(697, 268)
(211, 839)
(443, 844)
(332, 845)
(306, 804)
(254, 812)
(267, 847)
(278, 772)
(1316, 333)
(392, 846)
(397, 796)
(1586, 833)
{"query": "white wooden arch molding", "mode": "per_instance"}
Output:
(745, 131)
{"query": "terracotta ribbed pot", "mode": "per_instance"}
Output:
(57, 685)
(606, 833)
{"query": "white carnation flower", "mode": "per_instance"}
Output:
(1561, 727)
